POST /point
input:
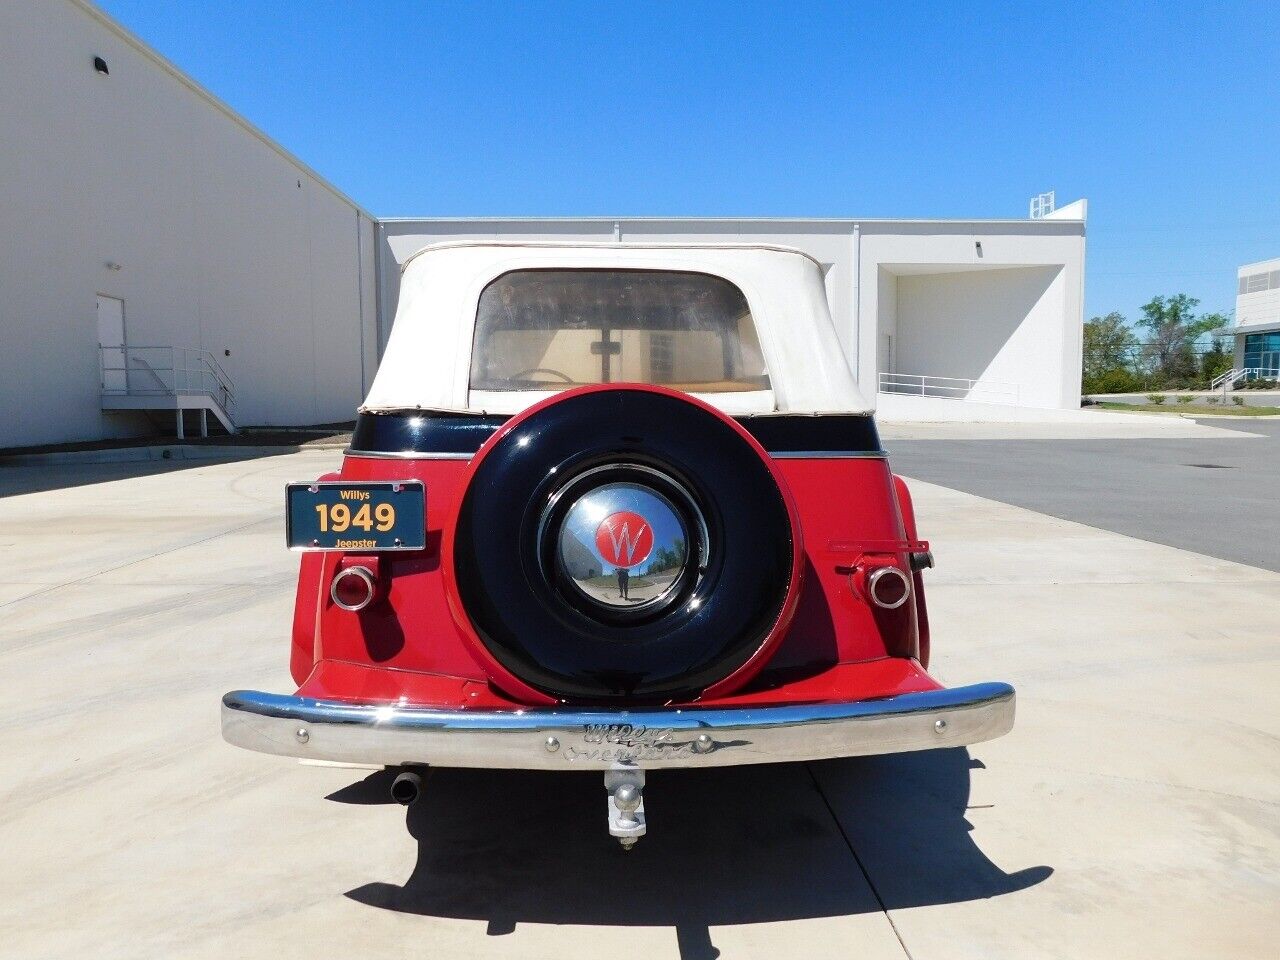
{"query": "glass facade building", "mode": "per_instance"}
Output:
(1262, 351)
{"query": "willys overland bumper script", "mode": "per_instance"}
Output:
(550, 739)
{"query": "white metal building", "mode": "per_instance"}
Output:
(138, 210)
(158, 252)
(1257, 329)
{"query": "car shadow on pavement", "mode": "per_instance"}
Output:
(730, 845)
(20, 477)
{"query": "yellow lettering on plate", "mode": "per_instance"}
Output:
(363, 519)
(385, 514)
(340, 517)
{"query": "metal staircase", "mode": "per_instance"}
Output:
(168, 378)
(1228, 380)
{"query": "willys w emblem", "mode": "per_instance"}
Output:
(624, 539)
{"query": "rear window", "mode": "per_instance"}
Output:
(553, 329)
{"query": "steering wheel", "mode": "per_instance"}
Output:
(555, 373)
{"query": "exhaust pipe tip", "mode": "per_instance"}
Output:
(406, 787)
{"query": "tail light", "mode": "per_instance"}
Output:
(888, 587)
(353, 588)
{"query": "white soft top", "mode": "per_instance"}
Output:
(427, 362)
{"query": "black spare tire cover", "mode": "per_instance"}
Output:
(710, 540)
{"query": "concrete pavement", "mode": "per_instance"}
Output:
(1216, 493)
(1134, 810)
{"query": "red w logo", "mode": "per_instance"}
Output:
(624, 539)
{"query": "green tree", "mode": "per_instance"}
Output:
(1173, 330)
(1108, 352)
(667, 558)
(1216, 360)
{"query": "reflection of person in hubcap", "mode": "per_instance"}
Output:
(622, 545)
(624, 539)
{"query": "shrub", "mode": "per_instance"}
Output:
(1156, 398)
(1214, 399)
(1118, 380)
(1238, 401)
(1185, 398)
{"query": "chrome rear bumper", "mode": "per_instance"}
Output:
(565, 739)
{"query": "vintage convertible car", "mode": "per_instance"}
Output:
(616, 507)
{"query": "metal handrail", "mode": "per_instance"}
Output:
(164, 371)
(951, 388)
(224, 381)
(1233, 376)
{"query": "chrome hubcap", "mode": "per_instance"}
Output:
(623, 545)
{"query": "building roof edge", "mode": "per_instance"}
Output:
(168, 66)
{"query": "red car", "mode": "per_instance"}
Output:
(616, 507)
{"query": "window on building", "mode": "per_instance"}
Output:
(1262, 351)
(553, 329)
(1260, 282)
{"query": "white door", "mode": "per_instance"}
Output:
(111, 340)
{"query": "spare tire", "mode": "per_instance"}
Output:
(623, 543)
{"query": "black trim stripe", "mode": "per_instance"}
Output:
(423, 432)
(428, 433)
(831, 433)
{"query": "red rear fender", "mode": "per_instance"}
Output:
(909, 523)
(849, 511)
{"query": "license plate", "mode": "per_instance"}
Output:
(335, 515)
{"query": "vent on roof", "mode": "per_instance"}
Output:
(1042, 205)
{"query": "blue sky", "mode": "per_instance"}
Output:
(1164, 115)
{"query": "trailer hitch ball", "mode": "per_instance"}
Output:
(626, 805)
(627, 798)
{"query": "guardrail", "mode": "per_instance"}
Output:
(950, 388)
(130, 371)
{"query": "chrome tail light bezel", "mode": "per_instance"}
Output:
(370, 584)
(878, 577)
